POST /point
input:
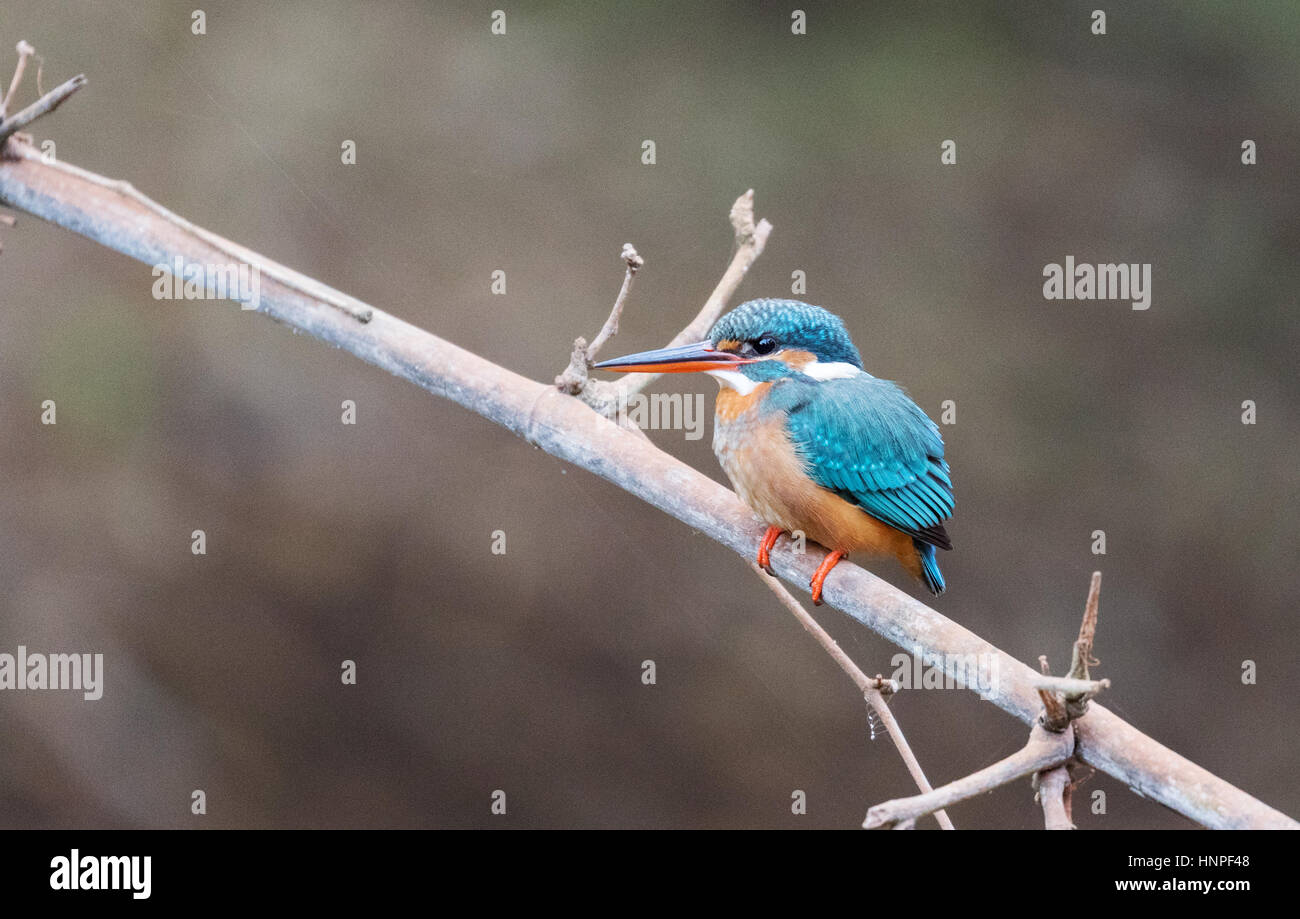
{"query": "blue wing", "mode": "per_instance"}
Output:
(864, 439)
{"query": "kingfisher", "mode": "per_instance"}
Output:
(813, 443)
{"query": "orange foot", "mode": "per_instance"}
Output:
(819, 577)
(765, 548)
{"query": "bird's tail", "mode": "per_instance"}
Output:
(929, 567)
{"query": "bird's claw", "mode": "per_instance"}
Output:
(819, 577)
(765, 549)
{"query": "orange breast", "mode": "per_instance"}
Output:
(756, 453)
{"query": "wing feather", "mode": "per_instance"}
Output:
(864, 439)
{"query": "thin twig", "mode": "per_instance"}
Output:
(1044, 750)
(1067, 684)
(1076, 703)
(751, 238)
(606, 397)
(24, 52)
(869, 686)
(575, 378)
(610, 328)
(42, 106)
(1055, 717)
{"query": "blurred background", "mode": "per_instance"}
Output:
(522, 153)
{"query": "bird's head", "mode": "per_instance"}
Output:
(762, 340)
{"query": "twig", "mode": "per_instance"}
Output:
(1076, 703)
(751, 238)
(869, 686)
(24, 52)
(606, 397)
(42, 106)
(1044, 750)
(116, 216)
(575, 378)
(1067, 684)
(1066, 698)
(1055, 717)
(1054, 794)
(610, 328)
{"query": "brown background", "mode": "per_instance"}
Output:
(522, 153)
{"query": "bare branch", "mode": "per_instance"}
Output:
(1054, 793)
(1043, 751)
(869, 686)
(116, 216)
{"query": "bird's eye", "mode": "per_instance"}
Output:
(765, 345)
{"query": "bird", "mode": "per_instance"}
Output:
(814, 444)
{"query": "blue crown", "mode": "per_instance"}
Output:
(795, 325)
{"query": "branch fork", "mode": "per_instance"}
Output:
(605, 397)
(1048, 755)
(9, 124)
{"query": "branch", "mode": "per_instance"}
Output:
(1055, 717)
(606, 397)
(575, 378)
(1043, 751)
(871, 687)
(24, 52)
(42, 106)
(1076, 701)
(1066, 698)
(116, 216)
(1066, 684)
(634, 263)
(1054, 793)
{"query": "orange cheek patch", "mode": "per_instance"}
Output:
(797, 359)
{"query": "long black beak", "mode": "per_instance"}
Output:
(682, 359)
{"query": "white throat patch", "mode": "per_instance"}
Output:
(734, 379)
